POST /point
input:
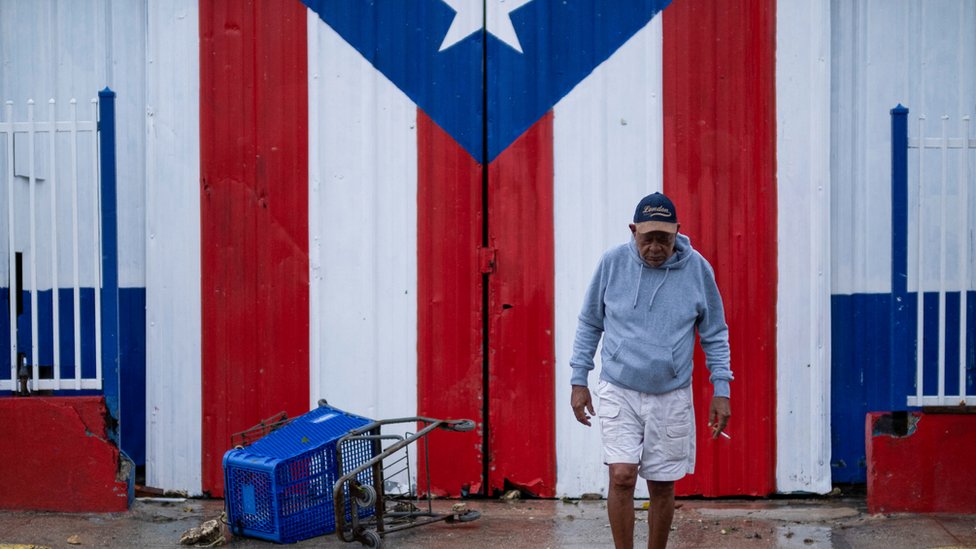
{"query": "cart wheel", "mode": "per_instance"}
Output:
(467, 516)
(365, 495)
(371, 539)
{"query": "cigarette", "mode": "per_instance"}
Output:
(723, 433)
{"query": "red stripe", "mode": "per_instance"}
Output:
(719, 167)
(449, 306)
(254, 222)
(521, 384)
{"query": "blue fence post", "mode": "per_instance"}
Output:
(110, 262)
(902, 322)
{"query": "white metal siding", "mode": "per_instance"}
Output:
(803, 293)
(173, 324)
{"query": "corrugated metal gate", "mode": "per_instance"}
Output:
(431, 226)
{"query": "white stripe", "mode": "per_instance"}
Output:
(173, 323)
(129, 80)
(362, 232)
(608, 153)
(803, 205)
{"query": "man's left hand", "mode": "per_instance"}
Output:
(719, 414)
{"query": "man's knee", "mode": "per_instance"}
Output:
(623, 475)
(660, 488)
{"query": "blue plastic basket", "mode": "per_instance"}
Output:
(280, 488)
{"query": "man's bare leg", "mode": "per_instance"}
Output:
(620, 503)
(660, 515)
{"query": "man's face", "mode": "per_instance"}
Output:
(655, 247)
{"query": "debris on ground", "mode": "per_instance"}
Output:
(591, 496)
(162, 500)
(142, 491)
(404, 507)
(459, 508)
(511, 495)
(208, 534)
(74, 540)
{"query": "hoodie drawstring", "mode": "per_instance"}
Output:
(641, 278)
(666, 273)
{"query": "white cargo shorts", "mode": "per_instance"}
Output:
(657, 432)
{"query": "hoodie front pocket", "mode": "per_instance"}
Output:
(639, 365)
(648, 360)
(611, 348)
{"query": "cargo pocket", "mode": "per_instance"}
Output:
(677, 441)
(608, 410)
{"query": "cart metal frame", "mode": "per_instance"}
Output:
(371, 531)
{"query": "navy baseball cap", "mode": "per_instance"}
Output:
(655, 212)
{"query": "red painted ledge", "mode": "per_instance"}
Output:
(921, 462)
(55, 455)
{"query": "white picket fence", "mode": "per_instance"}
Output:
(82, 168)
(950, 183)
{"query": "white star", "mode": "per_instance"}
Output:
(468, 19)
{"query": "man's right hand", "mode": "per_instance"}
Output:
(582, 403)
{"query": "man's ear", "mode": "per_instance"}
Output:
(633, 229)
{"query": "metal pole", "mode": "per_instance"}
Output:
(55, 290)
(944, 145)
(11, 253)
(32, 243)
(76, 279)
(920, 295)
(900, 323)
(96, 246)
(963, 256)
(109, 248)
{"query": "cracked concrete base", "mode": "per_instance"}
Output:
(56, 456)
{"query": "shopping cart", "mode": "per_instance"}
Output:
(385, 514)
(331, 471)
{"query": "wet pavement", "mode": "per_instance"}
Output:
(727, 523)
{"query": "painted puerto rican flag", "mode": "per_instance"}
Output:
(402, 202)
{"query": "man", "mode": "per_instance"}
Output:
(646, 300)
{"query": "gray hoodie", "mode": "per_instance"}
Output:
(647, 317)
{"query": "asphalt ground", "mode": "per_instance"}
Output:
(840, 522)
